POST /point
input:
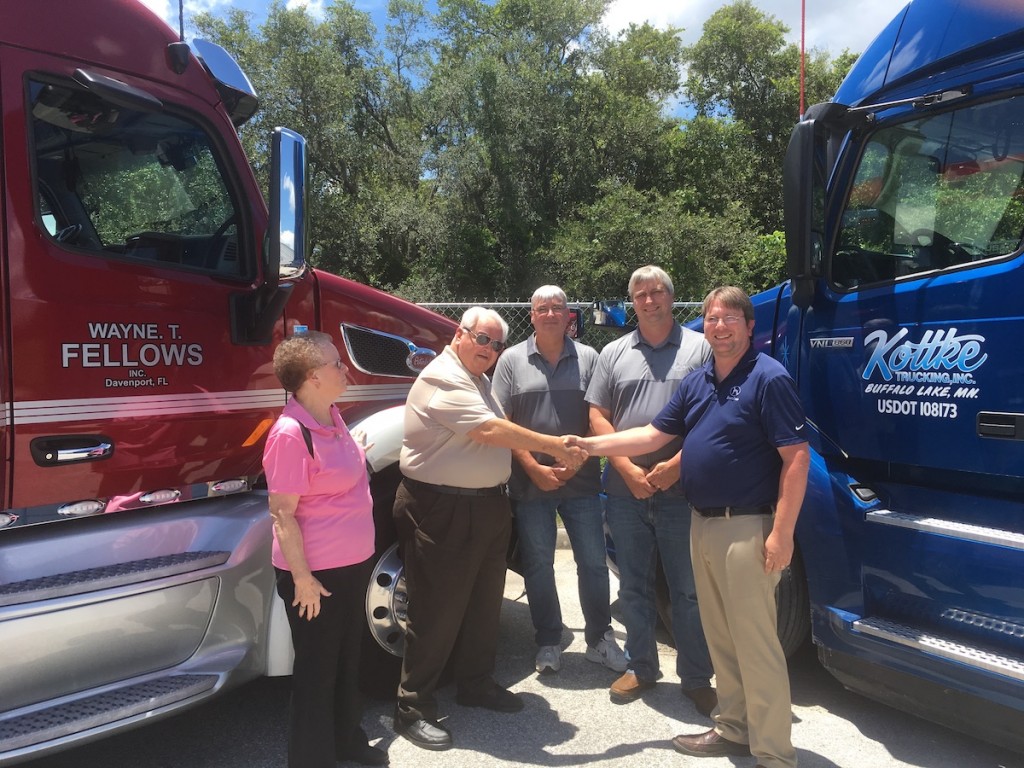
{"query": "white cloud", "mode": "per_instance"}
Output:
(315, 8)
(831, 25)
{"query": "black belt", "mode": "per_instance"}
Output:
(764, 509)
(494, 490)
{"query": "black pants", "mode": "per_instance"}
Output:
(326, 706)
(454, 549)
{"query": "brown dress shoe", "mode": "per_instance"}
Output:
(709, 744)
(628, 688)
(704, 699)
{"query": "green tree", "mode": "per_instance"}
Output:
(743, 70)
(330, 81)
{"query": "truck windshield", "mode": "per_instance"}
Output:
(935, 193)
(124, 183)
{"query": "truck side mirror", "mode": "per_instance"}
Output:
(576, 325)
(608, 314)
(288, 225)
(804, 181)
(254, 314)
(804, 201)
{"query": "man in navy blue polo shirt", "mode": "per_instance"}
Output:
(744, 471)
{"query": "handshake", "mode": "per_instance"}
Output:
(573, 453)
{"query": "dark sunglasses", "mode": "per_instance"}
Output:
(483, 340)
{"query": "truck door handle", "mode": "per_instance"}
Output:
(53, 451)
(1009, 426)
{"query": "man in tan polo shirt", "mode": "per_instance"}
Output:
(453, 519)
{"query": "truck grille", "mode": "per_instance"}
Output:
(383, 354)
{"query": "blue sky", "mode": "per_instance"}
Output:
(831, 24)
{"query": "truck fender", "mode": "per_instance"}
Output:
(280, 653)
(384, 430)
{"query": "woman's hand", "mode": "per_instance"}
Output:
(308, 591)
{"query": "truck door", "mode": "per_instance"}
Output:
(914, 350)
(914, 369)
(128, 232)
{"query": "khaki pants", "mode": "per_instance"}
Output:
(738, 611)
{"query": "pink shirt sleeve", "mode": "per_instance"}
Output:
(286, 459)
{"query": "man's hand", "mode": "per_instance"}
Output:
(663, 475)
(571, 455)
(549, 478)
(636, 480)
(778, 551)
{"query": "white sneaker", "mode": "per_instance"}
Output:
(608, 653)
(549, 659)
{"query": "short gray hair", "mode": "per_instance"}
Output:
(474, 315)
(548, 293)
(651, 274)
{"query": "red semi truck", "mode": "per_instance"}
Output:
(144, 284)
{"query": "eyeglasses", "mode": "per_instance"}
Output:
(483, 340)
(728, 320)
(655, 294)
(336, 363)
(556, 309)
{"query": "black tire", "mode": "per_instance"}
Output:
(380, 669)
(793, 606)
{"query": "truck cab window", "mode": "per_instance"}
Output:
(935, 193)
(144, 186)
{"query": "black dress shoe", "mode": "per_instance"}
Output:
(364, 754)
(427, 734)
(493, 697)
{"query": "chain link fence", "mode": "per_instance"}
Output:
(517, 315)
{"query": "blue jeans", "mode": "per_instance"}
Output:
(642, 528)
(535, 521)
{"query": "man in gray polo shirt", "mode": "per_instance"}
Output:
(540, 384)
(647, 513)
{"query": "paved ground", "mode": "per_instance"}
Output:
(569, 721)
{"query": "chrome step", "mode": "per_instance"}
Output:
(100, 709)
(936, 645)
(964, 531)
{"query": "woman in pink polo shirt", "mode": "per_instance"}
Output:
(323, 547)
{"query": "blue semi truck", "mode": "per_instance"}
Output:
(902, 324)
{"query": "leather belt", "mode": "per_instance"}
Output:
(764, 509)
(494, 490)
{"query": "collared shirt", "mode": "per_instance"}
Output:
(335, 511)
(732, 429)
(445, 404)
(550, 400)
(634, 380)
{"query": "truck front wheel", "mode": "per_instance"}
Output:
(384, 637)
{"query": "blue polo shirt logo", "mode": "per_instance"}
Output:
(734, 393)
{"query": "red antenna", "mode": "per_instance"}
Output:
(803, 26)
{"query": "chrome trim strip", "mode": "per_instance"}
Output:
(965, 531)
(100, 408)
(106, 408)
(375, 392)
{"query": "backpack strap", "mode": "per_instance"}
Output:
(308, 437)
